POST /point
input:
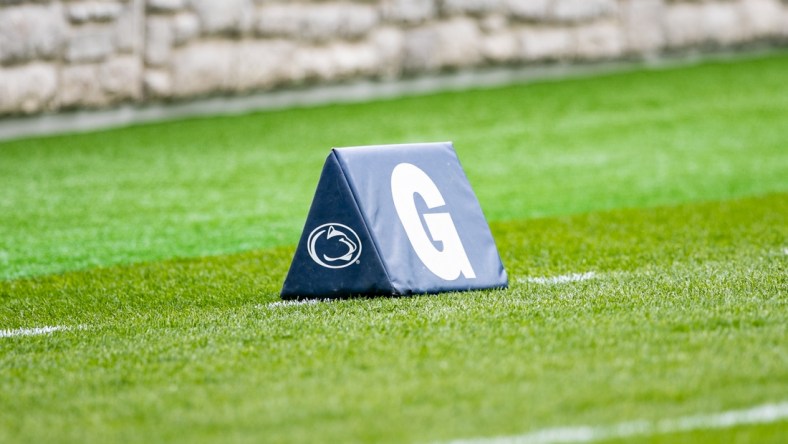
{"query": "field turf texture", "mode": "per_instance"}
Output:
(161, 250)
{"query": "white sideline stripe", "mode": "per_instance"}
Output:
(34, 331)
(294, 302)
(762, 414)
(561, 279)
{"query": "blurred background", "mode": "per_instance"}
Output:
(85, 54)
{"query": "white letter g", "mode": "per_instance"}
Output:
(408, 180)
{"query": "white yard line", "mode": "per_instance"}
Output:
(761, 414)
(552, 280)
(293, 303)
(35, 331)
(561, 279)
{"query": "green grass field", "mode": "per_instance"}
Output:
(641, 217)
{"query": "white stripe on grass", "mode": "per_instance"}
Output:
(34, 331)
(761, 414)
(293, 303)
(561, 279)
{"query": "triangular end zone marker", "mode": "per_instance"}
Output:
(393, 220)
(336, 256)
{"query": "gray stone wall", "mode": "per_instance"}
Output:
(67, 54)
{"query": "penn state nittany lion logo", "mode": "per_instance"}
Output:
(334, 245)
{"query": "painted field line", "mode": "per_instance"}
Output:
(36, 331)
(762, 414)
(277, 304)
(561, 279)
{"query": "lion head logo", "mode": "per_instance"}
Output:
(334, 245)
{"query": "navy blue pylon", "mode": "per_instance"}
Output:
(335, 256)
(393, 220)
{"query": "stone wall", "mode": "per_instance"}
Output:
(66, 54)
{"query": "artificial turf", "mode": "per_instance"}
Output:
(669, 187)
